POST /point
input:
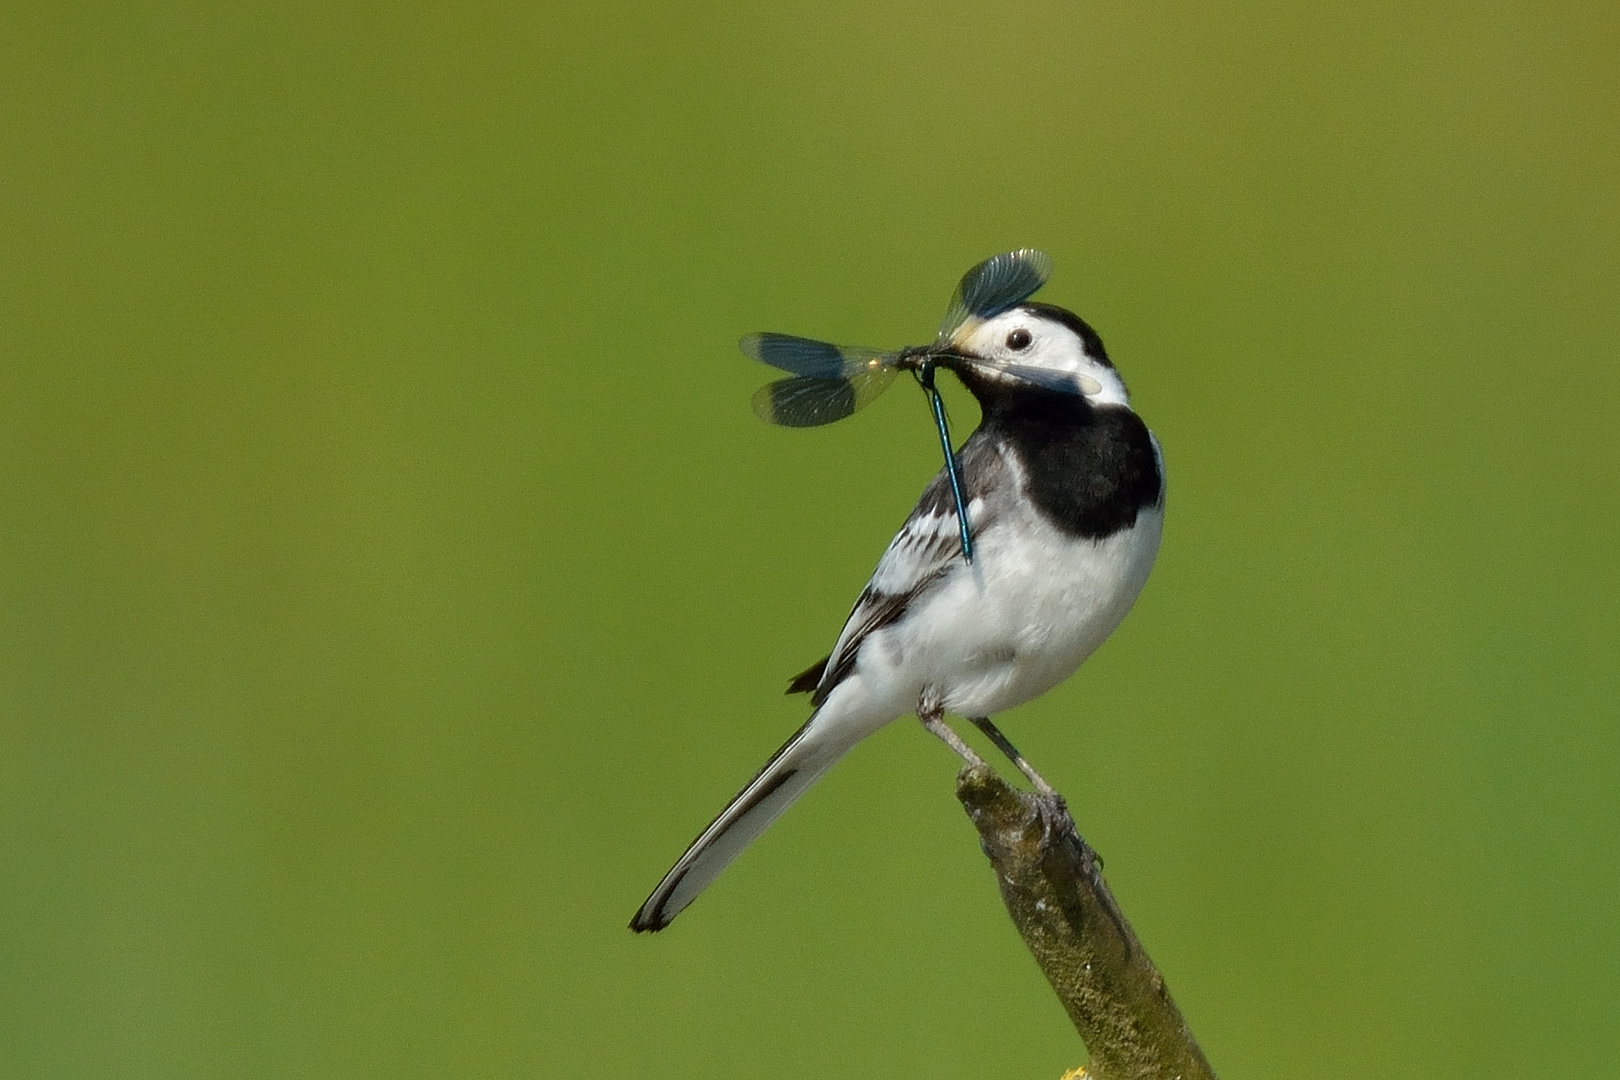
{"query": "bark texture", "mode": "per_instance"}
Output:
(1052, 883)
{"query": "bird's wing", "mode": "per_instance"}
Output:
(921, 553)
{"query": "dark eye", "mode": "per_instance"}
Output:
(1018, 340)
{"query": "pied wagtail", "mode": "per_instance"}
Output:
(1065, 497)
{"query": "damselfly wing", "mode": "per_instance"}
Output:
(998, 283)
(829, 381)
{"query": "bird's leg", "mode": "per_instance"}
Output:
(1006, 747)
(931, 711)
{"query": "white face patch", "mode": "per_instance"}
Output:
(1027, 339)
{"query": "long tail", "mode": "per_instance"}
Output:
(812, 751)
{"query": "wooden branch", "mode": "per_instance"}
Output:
(1052, 884)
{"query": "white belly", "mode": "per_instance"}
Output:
(1035, 604)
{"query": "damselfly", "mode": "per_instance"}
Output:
(829, 382)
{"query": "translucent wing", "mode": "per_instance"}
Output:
(807, 356)
(994, 286)
(832, 380)
(1067, 382)
(807, 401)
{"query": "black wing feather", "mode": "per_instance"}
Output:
(927, 546)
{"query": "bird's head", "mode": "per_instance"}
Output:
(1033, 345)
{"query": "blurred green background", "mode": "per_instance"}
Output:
(393, 577)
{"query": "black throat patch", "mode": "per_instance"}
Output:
(1089, 469)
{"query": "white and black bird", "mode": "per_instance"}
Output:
(1063, 485)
